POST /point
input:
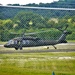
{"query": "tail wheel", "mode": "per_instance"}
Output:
(20, 48)
(47, 47)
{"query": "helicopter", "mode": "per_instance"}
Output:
(28, 41)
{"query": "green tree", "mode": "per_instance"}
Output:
(8, 24)
(5, 26)
(23, 20)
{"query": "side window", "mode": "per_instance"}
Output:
(25, 41)
(15, 42)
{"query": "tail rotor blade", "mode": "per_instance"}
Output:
(66, 27)
(62, 29)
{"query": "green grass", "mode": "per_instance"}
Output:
(37, 64)
(1, 42)
(71, 41)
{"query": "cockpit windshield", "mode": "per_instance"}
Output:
(11, 42)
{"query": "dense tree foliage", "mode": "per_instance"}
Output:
(32, 22)
(23, 20)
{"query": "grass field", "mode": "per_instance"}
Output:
(71, 41)
(62, 63)
(37, 64)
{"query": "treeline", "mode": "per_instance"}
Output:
(31, 22)
(58, 4)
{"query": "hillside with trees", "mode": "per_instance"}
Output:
(19, 20)
(30, 22)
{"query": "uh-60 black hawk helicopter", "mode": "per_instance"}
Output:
(24, 41)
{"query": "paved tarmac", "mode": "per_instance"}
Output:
(1, 45)
(37, 51)
(9, 51)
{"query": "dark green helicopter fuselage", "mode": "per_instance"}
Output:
(34, 41)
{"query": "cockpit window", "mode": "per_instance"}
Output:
(11, 42)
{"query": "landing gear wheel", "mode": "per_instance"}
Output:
(54, 46)
(20, 48)
(47, 47)
(16, 48)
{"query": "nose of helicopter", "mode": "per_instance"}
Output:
(6, 45)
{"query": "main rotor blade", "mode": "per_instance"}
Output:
(36, 32)
(32, 33)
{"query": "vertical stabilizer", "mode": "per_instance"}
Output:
(62, 38)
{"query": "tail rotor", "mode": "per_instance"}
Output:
(62, 39)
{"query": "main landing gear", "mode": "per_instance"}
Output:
(53, 46)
